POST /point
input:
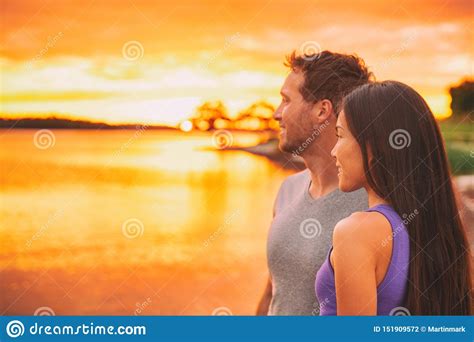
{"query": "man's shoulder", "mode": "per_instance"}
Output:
(356, 195)
(293, 187)
(299, 178)
(353, 201)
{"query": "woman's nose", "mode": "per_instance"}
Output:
(333, 151)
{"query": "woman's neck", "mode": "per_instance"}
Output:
(374, 199)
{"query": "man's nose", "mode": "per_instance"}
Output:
(277, 114)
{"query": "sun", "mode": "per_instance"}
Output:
(186, 126)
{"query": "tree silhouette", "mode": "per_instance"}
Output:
(462, 98)
(257, 116)
(260, 109)
(214, 115)
(210, 113)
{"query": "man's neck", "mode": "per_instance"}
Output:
(323, 173)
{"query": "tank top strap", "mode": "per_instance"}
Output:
(400, 239)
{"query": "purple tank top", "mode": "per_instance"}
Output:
(391, 292)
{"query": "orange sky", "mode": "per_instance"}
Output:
(72, 57)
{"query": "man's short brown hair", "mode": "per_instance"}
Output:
(329, 75)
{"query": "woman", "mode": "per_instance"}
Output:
(408, 253)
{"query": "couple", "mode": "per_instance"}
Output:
(371, 227)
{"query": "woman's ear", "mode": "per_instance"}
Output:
(370, 155)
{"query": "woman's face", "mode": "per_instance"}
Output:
(348, 158)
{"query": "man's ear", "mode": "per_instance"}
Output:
(323, 110)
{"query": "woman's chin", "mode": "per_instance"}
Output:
(344, 186)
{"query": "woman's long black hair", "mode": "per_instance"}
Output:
(409, 169)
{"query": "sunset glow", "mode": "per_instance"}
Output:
(155, 62)
(150, 167)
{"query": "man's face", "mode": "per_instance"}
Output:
(293, 114)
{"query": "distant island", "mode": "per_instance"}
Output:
(213, 115)
(60, 123)
(210, 116)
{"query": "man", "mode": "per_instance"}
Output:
(309, 203)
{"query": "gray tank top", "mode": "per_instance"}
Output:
(299, 239)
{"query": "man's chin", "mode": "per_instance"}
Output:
(285, 147)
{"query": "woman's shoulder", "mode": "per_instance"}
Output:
(362, 229)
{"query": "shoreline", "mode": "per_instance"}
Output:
(271, 151)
